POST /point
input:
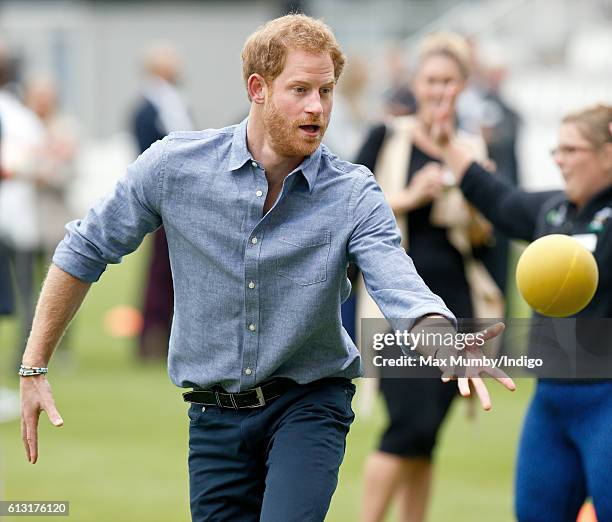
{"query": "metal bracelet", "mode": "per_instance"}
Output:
(29, 371)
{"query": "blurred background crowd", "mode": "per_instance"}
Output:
(87, 85)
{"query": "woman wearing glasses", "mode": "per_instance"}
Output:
(565, 452)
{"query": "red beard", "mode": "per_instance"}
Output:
(285, 135)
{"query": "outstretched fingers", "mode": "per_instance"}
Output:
(463, 383)
(479, 386)
(501, 377)
(464, 386)
(493, 331)
(482, 392)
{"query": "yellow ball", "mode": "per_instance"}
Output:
(557, 276)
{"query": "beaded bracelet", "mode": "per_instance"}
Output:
(29, 371)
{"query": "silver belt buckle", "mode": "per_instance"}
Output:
(260, 398)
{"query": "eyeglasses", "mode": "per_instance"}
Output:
(568, 150)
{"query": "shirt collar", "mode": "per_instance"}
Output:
(240, 154)
(310, 168)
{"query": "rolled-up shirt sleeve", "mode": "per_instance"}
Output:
(389, 273)
(116, 224)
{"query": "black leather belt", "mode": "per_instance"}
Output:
(254, 398)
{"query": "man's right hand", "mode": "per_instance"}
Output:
(36, 396)
(60, 298)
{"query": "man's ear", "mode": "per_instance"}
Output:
(257, 88)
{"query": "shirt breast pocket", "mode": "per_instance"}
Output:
(302, 256)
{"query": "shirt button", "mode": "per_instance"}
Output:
(251, 285)
(259, 193)
(203, 408)
(254, 240)
(252, 327)
(254, 164)
(248, 371)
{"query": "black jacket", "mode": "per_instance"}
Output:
(530, 215)
(146, 125)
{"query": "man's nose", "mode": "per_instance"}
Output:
(314, 105)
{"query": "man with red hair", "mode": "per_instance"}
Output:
(261, 221)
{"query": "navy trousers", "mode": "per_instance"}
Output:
(278, 463)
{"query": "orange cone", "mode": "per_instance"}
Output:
(123, 321)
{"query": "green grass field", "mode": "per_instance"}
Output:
(122, 453)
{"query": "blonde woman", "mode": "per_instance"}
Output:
(439, 231)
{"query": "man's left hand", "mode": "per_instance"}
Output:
(473, 377)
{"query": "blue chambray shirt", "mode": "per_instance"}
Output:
(255, 296)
